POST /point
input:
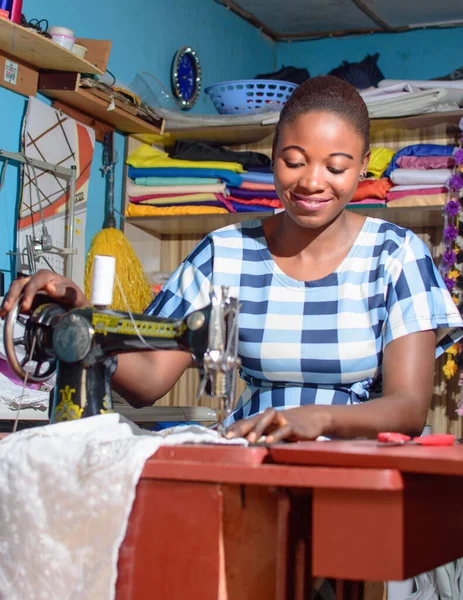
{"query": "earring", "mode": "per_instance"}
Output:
(363, 175)
(272, 164)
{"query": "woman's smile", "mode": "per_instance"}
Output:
(310, 203)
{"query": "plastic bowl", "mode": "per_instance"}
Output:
(79, 50)
(64, 40)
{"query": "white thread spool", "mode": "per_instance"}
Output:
(104, 271)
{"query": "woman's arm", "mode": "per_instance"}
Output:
(144, 377)
(408, 375)
(141, 378)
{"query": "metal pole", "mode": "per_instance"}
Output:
(70, 236)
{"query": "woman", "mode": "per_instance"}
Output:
(332, 303)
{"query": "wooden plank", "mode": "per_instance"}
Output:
(97, 51)
(37, 50)
(100, 128)
(26, 80)
(452, 117)
(410, 217)
(227, 134)
(90, 104)
(247, 134)
(190, 224)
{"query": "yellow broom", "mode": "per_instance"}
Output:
(112, 242)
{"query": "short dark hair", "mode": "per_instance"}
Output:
(330, 94)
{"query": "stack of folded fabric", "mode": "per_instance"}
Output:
(371, 192)
(256, 192)
(195, 178)
(419, 174)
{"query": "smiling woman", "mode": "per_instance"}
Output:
(341, 316)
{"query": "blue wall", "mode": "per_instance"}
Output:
(145, 35)
(411, 55)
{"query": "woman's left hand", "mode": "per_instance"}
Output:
(292, 425)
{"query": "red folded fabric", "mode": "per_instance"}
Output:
(258, 201)
(263, 187)
(422, 192)
(372, 188)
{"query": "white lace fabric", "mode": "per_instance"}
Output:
(66, 492)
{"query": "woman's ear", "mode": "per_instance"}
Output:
(365, 162)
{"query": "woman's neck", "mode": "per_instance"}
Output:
(286, 239)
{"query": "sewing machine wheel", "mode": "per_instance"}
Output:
(18, 348)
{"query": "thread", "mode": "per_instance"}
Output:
(104, 270)
(16, 9)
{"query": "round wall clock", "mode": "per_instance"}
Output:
(186, 77)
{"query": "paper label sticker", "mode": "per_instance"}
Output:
(11, 72)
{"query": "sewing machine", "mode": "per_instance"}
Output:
(79, 343)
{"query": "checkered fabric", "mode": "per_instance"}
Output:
(316, 342)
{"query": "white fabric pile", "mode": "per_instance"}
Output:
(66, 492)
(399, 98)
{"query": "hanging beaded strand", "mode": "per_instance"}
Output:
(452, 258)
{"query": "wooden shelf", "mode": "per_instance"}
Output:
(226, 134)
(451, 117)
(64, 88)
(429, 216)
(248, 134)
(409, 217)
(37, 50)
(190, 224)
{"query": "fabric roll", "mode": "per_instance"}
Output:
(258, 202)
(251, 194)
(258, 177)
(174, 181)
(246, 207)
(192, 150)
(367, 203)
(417, 200)
(134, 190)
(135, 210)
(146, 157)
(419, 176)
(227, 176)
(422, 186)
(425, 162)
(372, 188)
(418, 150)
(251, 185)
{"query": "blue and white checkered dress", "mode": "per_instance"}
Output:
(319, 341)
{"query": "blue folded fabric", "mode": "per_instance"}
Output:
(245, 208)
(418, 150)
(257, 177)
(252, 194)
(224, 174)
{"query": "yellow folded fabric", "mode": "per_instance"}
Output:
(379, 161)
(147, 157)
(415, 200)
(153, 211)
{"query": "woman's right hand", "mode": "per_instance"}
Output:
(56, 286)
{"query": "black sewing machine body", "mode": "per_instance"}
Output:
(79, 344)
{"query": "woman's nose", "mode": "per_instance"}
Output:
(311, 179)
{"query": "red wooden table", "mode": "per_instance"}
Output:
(226, 522)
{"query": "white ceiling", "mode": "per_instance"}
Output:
(305, 19)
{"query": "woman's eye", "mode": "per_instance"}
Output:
(336, 171)
(291, 165)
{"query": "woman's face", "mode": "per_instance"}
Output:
(318, 161)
